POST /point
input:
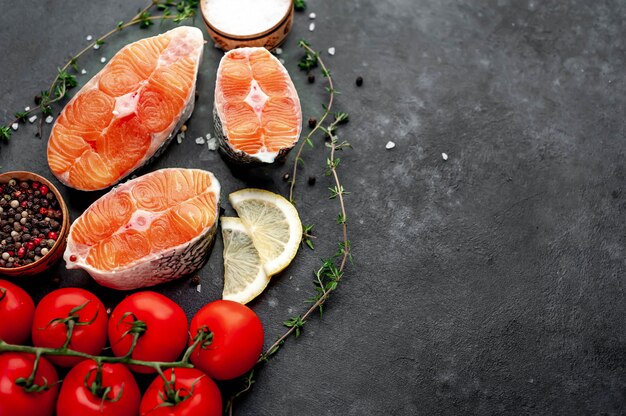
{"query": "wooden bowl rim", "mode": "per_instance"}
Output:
(64, 225)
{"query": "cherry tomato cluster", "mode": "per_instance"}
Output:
(145, 327)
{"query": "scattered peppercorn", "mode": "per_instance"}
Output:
(311, 78)
(311, 180)
(312, 122)
(195, 281)
(359, 81)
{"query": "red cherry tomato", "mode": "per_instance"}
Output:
(192, 393)
(117, 392)
(163, 337)
(237, 339)
(14, 399)
(52, 318)
(16, 313)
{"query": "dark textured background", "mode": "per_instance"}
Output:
(492, 283)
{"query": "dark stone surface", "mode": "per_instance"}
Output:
(491, 283)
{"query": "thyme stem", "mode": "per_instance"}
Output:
(317, 126)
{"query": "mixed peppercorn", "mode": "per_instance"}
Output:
(30, 221)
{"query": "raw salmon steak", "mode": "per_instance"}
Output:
(149, 230)
(257, 111)
(128, 111)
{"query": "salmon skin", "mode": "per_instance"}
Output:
(257, 112)
(128, 112)
(147, 231)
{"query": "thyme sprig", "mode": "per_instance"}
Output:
(307, 236)
(319, 125)
(176, 11)
(331, 272)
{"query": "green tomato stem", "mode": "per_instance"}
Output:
(66, 352)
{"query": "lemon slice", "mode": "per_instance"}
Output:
(273, 223)
(244, 276)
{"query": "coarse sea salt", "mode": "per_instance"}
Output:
(245, 17)
(390, 145)
(444, 156)
(212, 143)
(89, 37)
(83, 71)
(14, 126)
(200, 140)
(331, 50)
(26, 108)
(278, 51)
(180, 137)
(312, 15)
(32, 119)
(103, 59)
(49, 119)
(96, 46)
(311, 27)
(199, 288)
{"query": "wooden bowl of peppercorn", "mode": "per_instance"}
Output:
(34, 223)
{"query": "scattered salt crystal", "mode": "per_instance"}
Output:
(14, 126)
(311, 27)
(89, 37)
(331, 50)
(116, 113)
(32, 119)
(199, 288)
(312, 15)
(390, 145)
(212, 143)
(49, 119)
(179, 137)
(103, 59)
(216, 46)
(26, 108)
(281, 60)
(96, 46)
(83, 71)
(200, 140)
(444, 156)
(278, 51)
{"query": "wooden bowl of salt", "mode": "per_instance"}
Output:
(240, 23)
